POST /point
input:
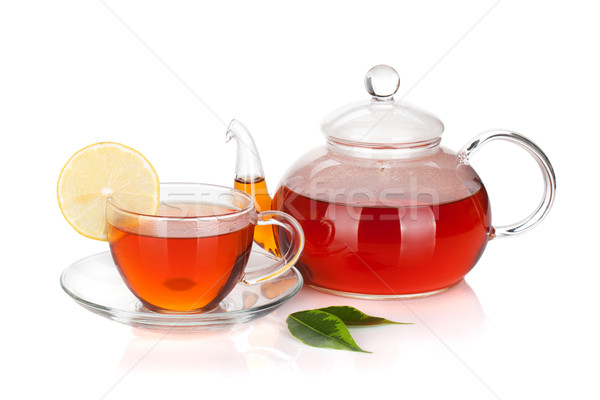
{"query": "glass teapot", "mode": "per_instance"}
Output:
(386, 210)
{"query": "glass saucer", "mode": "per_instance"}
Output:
(95, 284)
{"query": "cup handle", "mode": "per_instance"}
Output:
(290, 257)
(547, 171)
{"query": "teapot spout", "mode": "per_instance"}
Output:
(248, 167)
(250, 178)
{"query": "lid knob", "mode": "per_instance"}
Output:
(382, 82)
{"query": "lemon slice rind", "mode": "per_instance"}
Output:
(103, 170)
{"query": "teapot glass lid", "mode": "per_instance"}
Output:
(382, 121)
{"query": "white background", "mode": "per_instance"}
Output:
(525, 325)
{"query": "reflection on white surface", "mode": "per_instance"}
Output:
(266, 346)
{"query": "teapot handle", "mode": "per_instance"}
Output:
(547, 171)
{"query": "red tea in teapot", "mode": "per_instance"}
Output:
(385, 250)
(383, 247)
(257, 188)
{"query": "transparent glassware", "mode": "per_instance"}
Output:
(250, 178)
(387, 211)
(95, 283)
(194, 251)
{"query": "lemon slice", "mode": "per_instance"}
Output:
(104, 170)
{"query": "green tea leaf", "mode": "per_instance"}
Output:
(353, 317)
(321, 329)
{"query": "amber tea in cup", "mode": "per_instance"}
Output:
(193, 252)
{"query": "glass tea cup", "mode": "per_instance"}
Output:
(192, 253)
